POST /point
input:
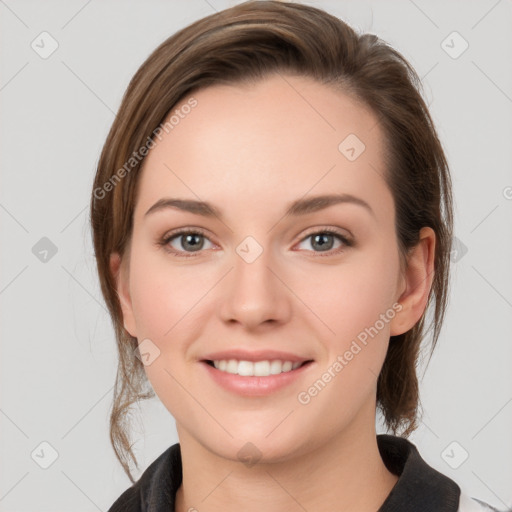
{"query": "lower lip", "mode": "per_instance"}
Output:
(255, 386)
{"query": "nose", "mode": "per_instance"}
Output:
(254, 294)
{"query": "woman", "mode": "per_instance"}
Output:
(272, 216)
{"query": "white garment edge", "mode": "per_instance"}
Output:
(467, 504)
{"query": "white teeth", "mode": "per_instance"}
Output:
(245, 368)
(258, 368)
(261, 368)
(287, 366)
(232, 366)
(275, 367)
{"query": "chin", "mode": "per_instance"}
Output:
(250, 447)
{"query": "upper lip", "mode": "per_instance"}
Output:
(255, 355)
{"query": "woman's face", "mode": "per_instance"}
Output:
(259, 284)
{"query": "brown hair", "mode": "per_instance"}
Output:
(246, 43)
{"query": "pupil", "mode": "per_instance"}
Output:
(189, 241)
(322, 244)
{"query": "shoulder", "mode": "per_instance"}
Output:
(421, 487)
(156, 487)
(467, 504)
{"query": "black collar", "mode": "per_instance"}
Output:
(419, 487)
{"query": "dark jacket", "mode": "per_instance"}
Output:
(420, 488)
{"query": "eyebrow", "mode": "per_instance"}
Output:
(298, 207)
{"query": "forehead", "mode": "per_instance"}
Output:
(246, 142)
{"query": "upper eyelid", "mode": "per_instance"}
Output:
(309, 232)
(326, 229)
(186, 231)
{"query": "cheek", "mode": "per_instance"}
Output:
(151, 301)
(163, 305)
(170, 308)
(357, 306)
(162, 298)
(350, 298)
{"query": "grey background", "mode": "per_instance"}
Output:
(58, 358)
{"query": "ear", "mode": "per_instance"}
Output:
(120, 274)
(416, 283)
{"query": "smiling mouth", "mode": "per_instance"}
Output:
(265, 368)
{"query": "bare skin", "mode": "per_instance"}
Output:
(251, 151)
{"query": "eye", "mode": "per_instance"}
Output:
(324, 240)
(185, 241)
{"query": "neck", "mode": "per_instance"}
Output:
(345, 474)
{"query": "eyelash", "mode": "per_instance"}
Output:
(197, 231)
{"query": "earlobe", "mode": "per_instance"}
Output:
(119, 273)
(418, 281)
